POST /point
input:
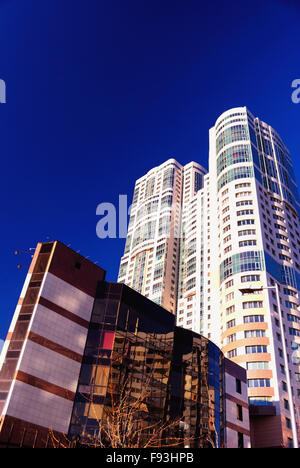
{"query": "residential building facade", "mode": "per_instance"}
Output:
(254, 269)
(150, 262)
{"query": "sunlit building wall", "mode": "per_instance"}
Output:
(43, 350)
(254, 265)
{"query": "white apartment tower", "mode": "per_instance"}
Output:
(254, 265)
(150, 262)
(238, 259)
(190, 301)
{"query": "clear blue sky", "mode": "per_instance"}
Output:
(99, 92)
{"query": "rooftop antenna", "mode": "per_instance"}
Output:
(25, 252)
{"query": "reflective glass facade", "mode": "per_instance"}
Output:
(135, 353)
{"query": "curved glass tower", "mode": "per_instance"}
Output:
(254, 271)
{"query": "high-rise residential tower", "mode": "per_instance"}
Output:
(239, 267)
(254, 265)
(151, 258)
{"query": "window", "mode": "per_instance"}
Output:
(232, 353)
(224, 192)
(231, 323)
(240, 440)
(247, 232)
(254, 383)
(289, 292)
(278, 336)
(278, 226)
(238, 386)
(229, 284)
(242, 262)
(256, 349)
(248, 278)
(280, 236)
(244, 184)
(285, 257)
(233, 155)
(229, 135)
(229, 296)
(293, 318)
(261, 401)
(227, 249)
(226, 239)
(245, 212)
(243, 222)
(168, 179)
(239, 412)
(254, 318)
(284, 386)
(156, 288)
(233, 174)
(247, 242)
(294, 332)
(257, 365)
(190, 284)
(232, 338)
(283, 247)
(243, 194)
(244, 202)
(252, 305)
(255, 333)
(291, 305)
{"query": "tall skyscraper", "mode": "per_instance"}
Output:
(151, 258)
(254, 263)
(191, 299)
(239, 267)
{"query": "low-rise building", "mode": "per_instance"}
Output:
(81, 350)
